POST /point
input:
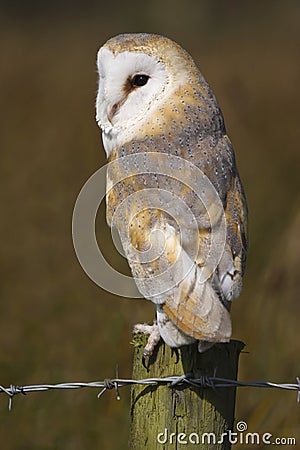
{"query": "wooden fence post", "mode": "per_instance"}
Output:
(159, 414)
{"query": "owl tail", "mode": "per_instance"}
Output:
(195, 307)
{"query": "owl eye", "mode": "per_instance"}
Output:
(139, 80)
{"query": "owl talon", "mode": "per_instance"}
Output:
(145, 358)
(148, 352)
(174, 351)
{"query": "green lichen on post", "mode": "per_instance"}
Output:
(192, 411)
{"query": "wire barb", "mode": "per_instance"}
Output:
(108, 384)
(176, 381)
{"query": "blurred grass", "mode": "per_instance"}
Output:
(55, 324)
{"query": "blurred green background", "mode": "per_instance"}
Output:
(55, 324)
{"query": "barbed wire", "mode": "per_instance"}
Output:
(186, 380)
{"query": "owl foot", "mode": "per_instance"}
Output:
(153, 339)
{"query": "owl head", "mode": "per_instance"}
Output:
(139, 75)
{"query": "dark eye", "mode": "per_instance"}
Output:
(139, 80)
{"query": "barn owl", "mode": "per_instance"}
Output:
(156, 110)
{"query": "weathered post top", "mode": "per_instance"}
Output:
(175, 418)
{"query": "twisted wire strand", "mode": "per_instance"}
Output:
(186, 380)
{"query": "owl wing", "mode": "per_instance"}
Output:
(202, 310)
(232, 265)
